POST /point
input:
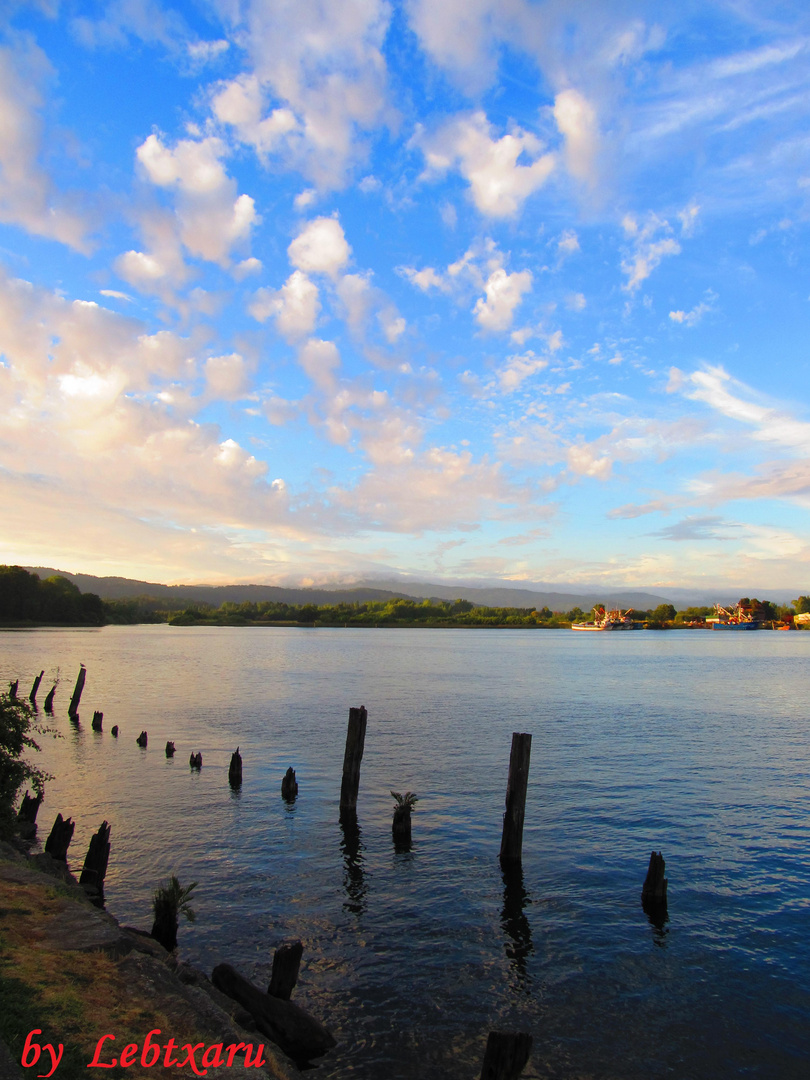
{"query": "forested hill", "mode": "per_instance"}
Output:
(176, 597)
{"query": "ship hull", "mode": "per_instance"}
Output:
(736, 626)
(605, 627)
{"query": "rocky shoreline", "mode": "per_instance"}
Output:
(181, 993)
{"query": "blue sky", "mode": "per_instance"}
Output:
(486, 291)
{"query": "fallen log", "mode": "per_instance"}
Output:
(290, 1027)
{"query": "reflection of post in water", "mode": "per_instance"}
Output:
(354, 880)
(515, 925)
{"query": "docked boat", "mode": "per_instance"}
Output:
(737, 618)
(608, 620)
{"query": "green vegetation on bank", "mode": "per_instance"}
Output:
(17, 730)
(25, 600)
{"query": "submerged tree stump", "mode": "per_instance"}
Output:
(352, 757)
(95, 864)
(195, 761)
(506, 1055)
(517, 784)
(235, 769)
(97, 719)
(292, 1029)
(654, 890)
(29, 808)
(32, 697)
(59, 839)
(49, 698)
(286, 962)
(73, 708)
(142, 739)
(114, 731)
(169, 749)
(289, 785)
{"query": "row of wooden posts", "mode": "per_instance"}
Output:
(506, 1052)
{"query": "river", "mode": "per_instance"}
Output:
(688, 742)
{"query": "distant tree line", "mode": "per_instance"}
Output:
(25, 599)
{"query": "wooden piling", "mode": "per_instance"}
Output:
(32, 697)
(353, 755)
(12, 689)
(195, 761)
(289, 785)
(517, 784)
(114, 731)
(59, 839)
(73, 708)
(170, 749)
(97, 719)
(49, 699)
(654, 890)
(95, 864)
(142, 740)
(286, 962)
(506, 1055)
(29, 808)
(235, 770)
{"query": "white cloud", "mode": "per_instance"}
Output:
(323, 64)
(577, 123)
(320, 360)
(295, 306)
(211, 217)
(226, 377)
(425, 279)
(504, 293)
(247, 267)
(499, 182)
(576, 301)
(517, 369)
(27, 196)
(567, 243)
(693, 317)
(458, 36)
(652, 241)
(320, 247)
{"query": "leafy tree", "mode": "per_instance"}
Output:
(664, 613)
(802, 605)
(16, 728)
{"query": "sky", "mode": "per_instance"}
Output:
(295, 291)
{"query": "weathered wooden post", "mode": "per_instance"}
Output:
(114, 731)
(518, 782)
(289, 785)
(73, 708)
(169, 749)
(401, 825)
(49, 698)
(95, 864)
(286, 962)
(142, 740)
(32, 697)
(352, 757)
(506, 1055)
(654, 890)
(59, 839)
(195, 761)
(12, 689)
(97, 719)
(29, 808)
(235, 770)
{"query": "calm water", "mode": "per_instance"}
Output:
(696, 744)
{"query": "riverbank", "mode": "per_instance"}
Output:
(74, 973)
